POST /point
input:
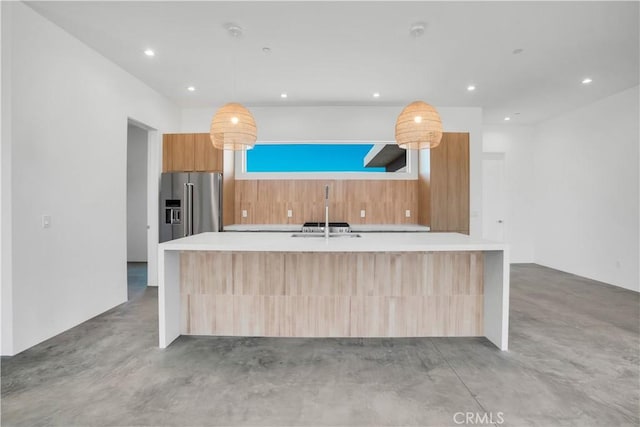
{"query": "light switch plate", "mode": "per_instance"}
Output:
(289, 213)
(362, 213)
(46, 221)
(244, 213)
(407, 213)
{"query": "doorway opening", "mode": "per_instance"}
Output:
(137, 196)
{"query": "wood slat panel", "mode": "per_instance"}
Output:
(267, 201)
(332, 294)
(424, 190)
(278, 316)
(228, 188)
(449, 184)
(248, 315)
(207, 273)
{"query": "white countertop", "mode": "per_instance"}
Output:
(358, 228)
(368, 242)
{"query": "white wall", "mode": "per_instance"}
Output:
(517, 144)
(69, 117)
(586, 191)
(154, 168)
(136, 194)
(355, 123)
(6, 290)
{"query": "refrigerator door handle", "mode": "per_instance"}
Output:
(188, 228)
(185, 211)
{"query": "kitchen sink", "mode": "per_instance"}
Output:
(316, 229)
(334, 227)
(331, 235)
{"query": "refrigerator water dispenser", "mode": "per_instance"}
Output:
(172, 211)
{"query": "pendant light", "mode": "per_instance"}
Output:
(418, 126)
(233, 127)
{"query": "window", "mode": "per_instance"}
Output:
(322, 160)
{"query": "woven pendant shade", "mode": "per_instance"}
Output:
(233, 128)
(418, 126)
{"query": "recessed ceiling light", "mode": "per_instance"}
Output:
(506, 119)
(471, 88)
(517, 51)
(191, 88)
(266, 50)
(234, 30)
(516, 114)
(586, 81)
(417, 30)
(376, 94)
(149, 52)
(283, 95)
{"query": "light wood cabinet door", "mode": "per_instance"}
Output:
(190, 152)
(178, 152)
(167, 145)
(207, 157)
(449, 184)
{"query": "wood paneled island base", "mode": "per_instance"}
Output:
(381, 284)
(343, 294)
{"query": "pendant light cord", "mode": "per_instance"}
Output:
(416, 32)
(233, 74)
(235, 33)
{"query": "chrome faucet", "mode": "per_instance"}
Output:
(326, 212)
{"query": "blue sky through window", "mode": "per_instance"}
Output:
(309, 158)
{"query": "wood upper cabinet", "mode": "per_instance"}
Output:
(449, 184)
(190, 152)
(178, 153)
(207, 158)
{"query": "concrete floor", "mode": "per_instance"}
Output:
(573, 361)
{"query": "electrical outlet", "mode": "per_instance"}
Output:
(362, 213)
(244, 213)
(289, 213)
(407, 213)
(46, 221)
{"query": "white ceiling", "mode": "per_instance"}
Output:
(339, 53)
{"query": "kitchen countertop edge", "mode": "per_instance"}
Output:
(368, 242)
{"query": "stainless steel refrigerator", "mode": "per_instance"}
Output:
(190, 203)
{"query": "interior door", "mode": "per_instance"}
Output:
(493, 197)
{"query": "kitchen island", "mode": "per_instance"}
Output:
(375, 285)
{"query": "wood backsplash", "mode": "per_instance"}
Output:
(384, 201)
